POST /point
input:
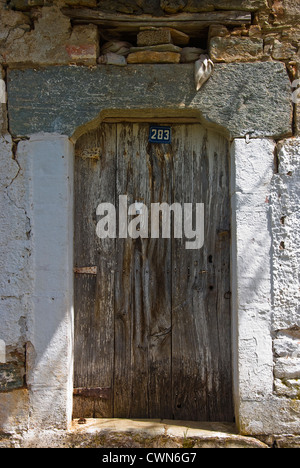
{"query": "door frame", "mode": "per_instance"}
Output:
(51, 375)
(199, 134)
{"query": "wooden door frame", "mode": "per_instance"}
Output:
(249, 273)
(210, 310)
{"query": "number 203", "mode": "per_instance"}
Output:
(160, 134)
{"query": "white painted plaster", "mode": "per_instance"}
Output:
(15, 245)
(2, 352)
(3, 95)
(252, 168)
(285, 204)
(50, 377)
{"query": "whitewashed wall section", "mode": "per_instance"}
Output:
(37, 273)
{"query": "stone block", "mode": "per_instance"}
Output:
(13, 370)
(84, 54)
(84, 46)
(253, 168)
(291, 11)
(153, 57)
(14, 410)
(287, 343)
(172, 6)
(194, 6)
(286, 238)
(243, 98)
(283, 50)
(11, 377)
(154, 37)
(217, 30)
(289, 388)
(236, 49)
(44, 45)
(13, 19)
(51, 42)
(179, 38)
(255, 31)
(13, 26)
(287, 368)
(112, 59)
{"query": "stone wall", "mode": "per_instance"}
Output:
(15, 286)
(286, 270)
(38, 35)
(40, 31)
(44, 32)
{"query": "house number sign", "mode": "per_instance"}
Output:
(160, 135)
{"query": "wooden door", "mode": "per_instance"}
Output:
(152, 319)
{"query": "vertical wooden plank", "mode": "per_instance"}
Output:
(84, 299)
(201, 355)
(189, 328)
(158, 290)
(123, 290)
(94, 296)
(143, 293)
(218, 305)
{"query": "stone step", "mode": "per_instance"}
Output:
(120, 433)
(136, 433)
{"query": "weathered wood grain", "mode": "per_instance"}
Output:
(143, 297)
(189, 23)
(86, 271)
(154, 325)
(201, 348)
(94, 295)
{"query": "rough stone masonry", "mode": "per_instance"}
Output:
(53, 87)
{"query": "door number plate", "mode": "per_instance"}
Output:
(160, 135)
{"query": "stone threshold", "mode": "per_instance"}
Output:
(155, 433)
(134, 434)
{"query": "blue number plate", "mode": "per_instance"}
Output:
(160, 135)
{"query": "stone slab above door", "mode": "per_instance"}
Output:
(252, 99)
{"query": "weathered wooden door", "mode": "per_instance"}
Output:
(152, 319)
